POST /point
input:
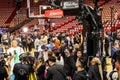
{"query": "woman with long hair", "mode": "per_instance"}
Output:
(95, 70)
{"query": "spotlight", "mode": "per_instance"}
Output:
(25, 29)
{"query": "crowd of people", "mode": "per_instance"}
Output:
(55, 57)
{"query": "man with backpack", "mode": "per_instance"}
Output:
(23, 69)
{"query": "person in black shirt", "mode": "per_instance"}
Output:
(40, 69)
(81, 73)
(3, 73)
(116, 35)
(69, 63)
(117, 62)
(55, 72)
(23, 69)
(95, 70)
(3, 68)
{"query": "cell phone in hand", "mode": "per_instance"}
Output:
(15, 52)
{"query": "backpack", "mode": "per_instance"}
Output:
(22, 72)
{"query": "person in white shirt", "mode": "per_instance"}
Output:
(15, 51)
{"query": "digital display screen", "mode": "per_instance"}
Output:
(70, 4)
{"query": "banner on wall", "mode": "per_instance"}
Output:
(54, 13)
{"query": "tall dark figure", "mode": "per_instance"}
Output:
(0, 38)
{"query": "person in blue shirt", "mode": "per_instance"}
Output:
(113, 50)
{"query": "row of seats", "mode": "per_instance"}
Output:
(90, 2)
(70, 23)
(60, 24)
(21, 16)
(62, 21)
(71, 27)
(106, 13)
(66, 27)
(30, 27)
(7, 3)
(4, 14)
(111, 27)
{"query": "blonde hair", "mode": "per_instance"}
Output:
(97, 61)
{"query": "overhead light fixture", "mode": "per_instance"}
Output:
(44, 7)
(25, 29)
